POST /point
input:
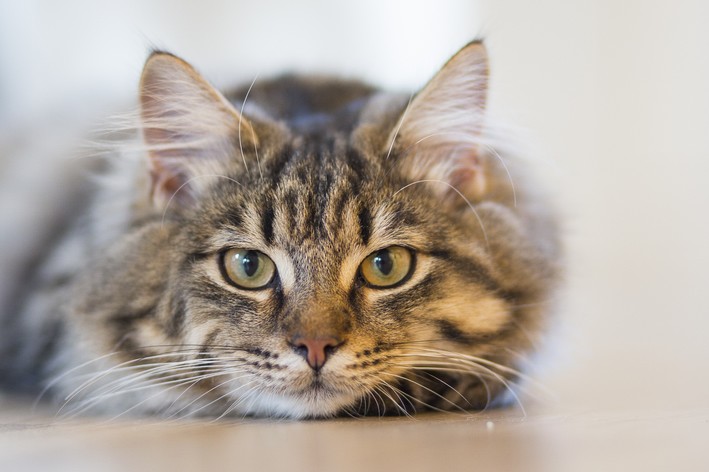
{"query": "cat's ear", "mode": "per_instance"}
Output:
(188, 127)
(439, 135)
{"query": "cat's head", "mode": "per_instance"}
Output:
(368, 257)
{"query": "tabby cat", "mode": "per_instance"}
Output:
(304, 247)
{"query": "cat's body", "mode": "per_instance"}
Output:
(322, 249)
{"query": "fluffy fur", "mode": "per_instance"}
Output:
(127, 311)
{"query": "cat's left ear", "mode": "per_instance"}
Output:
(439, 135)
(189, 129)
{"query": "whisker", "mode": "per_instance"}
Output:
(120, 385)
(234, 404)
(207, 393)
(380, 389)
(187, 389)
(456, 366)
(497, 376)
(85, 405)
(249, 407)
(102, 374)
(428, 390)
(426, 368)
(241, 117)
(373, 393)
(452, 355)
(466, 358)
(437, 379)
(156, 367)
(398, 126)
(63, 375)
(175, 386)
(425, 404)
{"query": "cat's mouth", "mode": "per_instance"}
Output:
(318, 385)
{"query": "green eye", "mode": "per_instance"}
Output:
(387, 267)
(247, 268)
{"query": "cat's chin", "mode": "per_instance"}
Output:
(299, 406)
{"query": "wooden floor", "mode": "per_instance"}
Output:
(546, 439)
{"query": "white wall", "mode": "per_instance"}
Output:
(618, 95)
(55, 51)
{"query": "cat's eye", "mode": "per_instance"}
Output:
(247, 268)
(387, 267)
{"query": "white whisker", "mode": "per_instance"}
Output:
(428, 390)
(398, 126)
(241, 117)
(235, 403)
(122, 385)
(380, 389)
(93, 400)
(99, 375)
(207, 393)
(471, 363)
(439, 380)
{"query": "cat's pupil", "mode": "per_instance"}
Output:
(383, 262)
(250, 263)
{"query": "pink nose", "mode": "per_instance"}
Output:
(315, 350)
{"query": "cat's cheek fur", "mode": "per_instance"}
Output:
(474, 317)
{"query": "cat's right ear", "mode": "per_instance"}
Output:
(188, 127)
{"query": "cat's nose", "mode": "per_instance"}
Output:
(315, 350)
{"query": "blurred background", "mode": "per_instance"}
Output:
(614, 97)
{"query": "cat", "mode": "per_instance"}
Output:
(303, 247)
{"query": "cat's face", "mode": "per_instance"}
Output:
(294, 272)
(328, 248)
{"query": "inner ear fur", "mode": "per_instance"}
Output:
(439, 135)
(188, 128)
